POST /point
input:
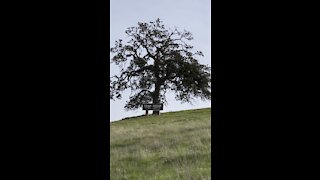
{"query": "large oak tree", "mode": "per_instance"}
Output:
(156, 60)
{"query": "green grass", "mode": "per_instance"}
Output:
(175, 145)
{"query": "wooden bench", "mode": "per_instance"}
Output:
(153, 107)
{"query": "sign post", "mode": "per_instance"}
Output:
(153, 107)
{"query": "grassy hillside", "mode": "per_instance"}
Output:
(175, 145)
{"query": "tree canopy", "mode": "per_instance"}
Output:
(156, 60)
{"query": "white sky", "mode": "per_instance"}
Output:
(191, 15)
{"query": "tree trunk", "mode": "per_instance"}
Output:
(156, 98)
(156, 93)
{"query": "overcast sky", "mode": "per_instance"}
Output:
(191, 15)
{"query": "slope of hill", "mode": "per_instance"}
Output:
(175, 145)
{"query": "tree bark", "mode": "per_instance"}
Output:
(156, 93)
(156, 99)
